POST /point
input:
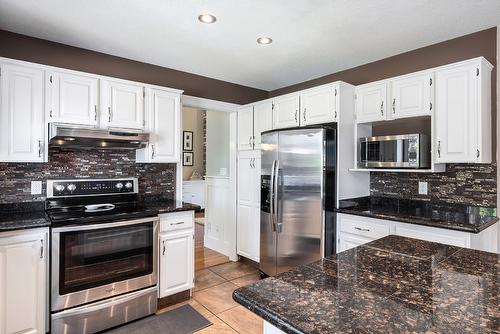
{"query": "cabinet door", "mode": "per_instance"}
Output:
(371, 103)
(248, 213)
(73, 98)
(286, 113)
(176, 262)
(411, 96)
(433, 234)
(456, 115)
(165, 126)
(319, 105)
(348, 241)
(21, 114)
(125, 105)
(23, 283)
(245, 128)
(263, 120)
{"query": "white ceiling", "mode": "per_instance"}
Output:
(311, 37)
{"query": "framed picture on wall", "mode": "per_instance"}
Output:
(187, 141)
(187, 158)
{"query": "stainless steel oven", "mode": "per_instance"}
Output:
(93, 262)
(400, 151)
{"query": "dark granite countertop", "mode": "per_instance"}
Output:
(166, 206)
(390, 285)
(450, 216)
(19, 216)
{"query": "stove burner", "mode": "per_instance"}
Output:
(99, 207)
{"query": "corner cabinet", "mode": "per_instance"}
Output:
(73, 98)
(163, 114)
(463, 113)
(23, 281)
(22, 124)
(123, 104)
(248, 199)
(176, 248)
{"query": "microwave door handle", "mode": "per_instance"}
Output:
(271, 196)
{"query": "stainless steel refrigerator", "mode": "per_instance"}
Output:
(298, 189)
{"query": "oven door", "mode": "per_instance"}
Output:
(98, 261)
(389, 152)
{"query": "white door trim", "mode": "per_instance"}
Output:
(232, 108)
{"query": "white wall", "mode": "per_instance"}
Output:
(192, 120)
(217, 143)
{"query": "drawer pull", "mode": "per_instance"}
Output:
(179, 223)
(362, 229)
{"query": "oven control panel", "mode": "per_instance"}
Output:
(89, 187)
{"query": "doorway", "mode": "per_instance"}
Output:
(205, 160)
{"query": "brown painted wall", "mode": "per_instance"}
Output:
(482, 43)
(41, 51)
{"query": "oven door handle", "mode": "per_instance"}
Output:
(105, 225)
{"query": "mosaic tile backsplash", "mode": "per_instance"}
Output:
(155, 180)
(472, 184)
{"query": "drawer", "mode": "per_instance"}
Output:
(176, 221)
(364, 226)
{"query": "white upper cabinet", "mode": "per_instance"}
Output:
(319, 105)
(163, 124)
(22, 127)
(263, 120)
(124, 105)
(411, 96)
(73, 98)
(371, 104)
(463, 113)
(286, 111)
(23, 282)
(245, 128)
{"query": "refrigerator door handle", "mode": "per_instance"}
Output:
(271, 197)
(275, 195)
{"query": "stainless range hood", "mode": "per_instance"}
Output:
(64, 135)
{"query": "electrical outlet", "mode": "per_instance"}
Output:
(36, 187)
(422, 188)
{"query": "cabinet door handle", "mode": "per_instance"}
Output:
(152, 151)
(362, 229)
(382, 108)
(109, 114)
(394, 105)
(304, 116)
(95, 112)
(41, 248)
(178, 223)
(250, 141)
(50, 113)
(296, 113)
(39, 148)
(439, 149)
(477, 154)
(164, 248)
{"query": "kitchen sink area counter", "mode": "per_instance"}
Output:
(20, 216)
(393, 284)
(459, 217)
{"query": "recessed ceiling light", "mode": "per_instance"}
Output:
(207, 18)
(264, 40)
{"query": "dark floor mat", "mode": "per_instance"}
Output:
(182, 320)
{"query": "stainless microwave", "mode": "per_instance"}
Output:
(401, 151)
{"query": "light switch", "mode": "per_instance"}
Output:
(36, 187)
(422, 188)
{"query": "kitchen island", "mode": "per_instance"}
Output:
(391, 285)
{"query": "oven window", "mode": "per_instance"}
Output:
(92, 258)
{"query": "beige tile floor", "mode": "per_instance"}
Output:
(212, 297)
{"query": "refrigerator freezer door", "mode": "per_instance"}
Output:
(269, 154)
(300, 202)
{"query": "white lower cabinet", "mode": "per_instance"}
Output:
(176, 253)
(354, 231)
(23, 281)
